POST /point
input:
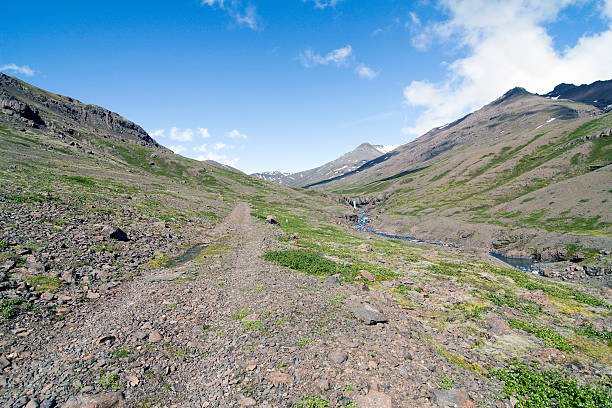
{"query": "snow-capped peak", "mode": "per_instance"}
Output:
(385, 148)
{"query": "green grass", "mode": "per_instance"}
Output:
(550, 388)
(45, 283)
(523, 280)
(445, 383)
(10, 308)
(588, 330)
(3, 244)
(241, 314)
(512, 301)
(312, 402)
(313, 263)
(110, 382)
(548, 336)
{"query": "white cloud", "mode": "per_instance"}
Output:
(339, 57)
(321, 4)
(245, 16)
(157, 133)
(234, 134)
(202, 148)
(507, 45)
(366, 72)
(179, 135)
(219, 145)
(220, 158)
(203, 132)
(607, 8)
(178, 149)
(20, 69)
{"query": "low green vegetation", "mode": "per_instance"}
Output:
(3, 245)
(45, 283)
(548, 336)
(525, 281)
(512, 301)
(241, 314)
(550, 388)
(313, 263)
(10, 308)
(110, 382)
(587, 330)
(312, 402)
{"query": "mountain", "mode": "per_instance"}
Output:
(273, 176)
(64, 115)
(526, 175)
(346, 163)
(131, 276)
(598, 94)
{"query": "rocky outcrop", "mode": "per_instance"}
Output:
(359, 201)
(13, 107)
(40, 108)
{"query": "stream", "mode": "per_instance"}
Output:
(523, 264)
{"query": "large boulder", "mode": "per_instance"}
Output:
(107, 400)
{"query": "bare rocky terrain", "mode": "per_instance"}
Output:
(131, 276)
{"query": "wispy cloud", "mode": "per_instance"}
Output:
(203, 132)
(219, 145)
(178, 149)
(185, 135)
(494, 35)
(366, 72)
(338, 57)
(157, 133)
(242, 15)
(20, 69)
(234, 134)
(321, 4)
(220, 158)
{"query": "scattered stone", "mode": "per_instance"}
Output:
(277, 377)
(374, 399)
(154, 337)
(365, 247)
(115, 233)
(92, 295)
(367, 275)
(247, 402)
(452, 398)
(108, 339)
(4, 362)
(333, 280)
(108, 400)
(322, 384)
(33, 403)
(338, 356)
(367, 313)
(271, 219)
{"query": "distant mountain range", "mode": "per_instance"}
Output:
(346, 163)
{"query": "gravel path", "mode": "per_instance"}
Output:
(230, 329)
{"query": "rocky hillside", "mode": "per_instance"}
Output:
(134, 277)
(64, 115)
(343, 165)
(525, 175)
(598, 94)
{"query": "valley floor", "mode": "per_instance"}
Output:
(231, 329)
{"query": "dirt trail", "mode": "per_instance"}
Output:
(229, 328)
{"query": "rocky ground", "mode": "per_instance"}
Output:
(230, 329)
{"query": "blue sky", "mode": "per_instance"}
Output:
(289, 85)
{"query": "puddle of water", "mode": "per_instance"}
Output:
(187, 256)
(523, 264)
